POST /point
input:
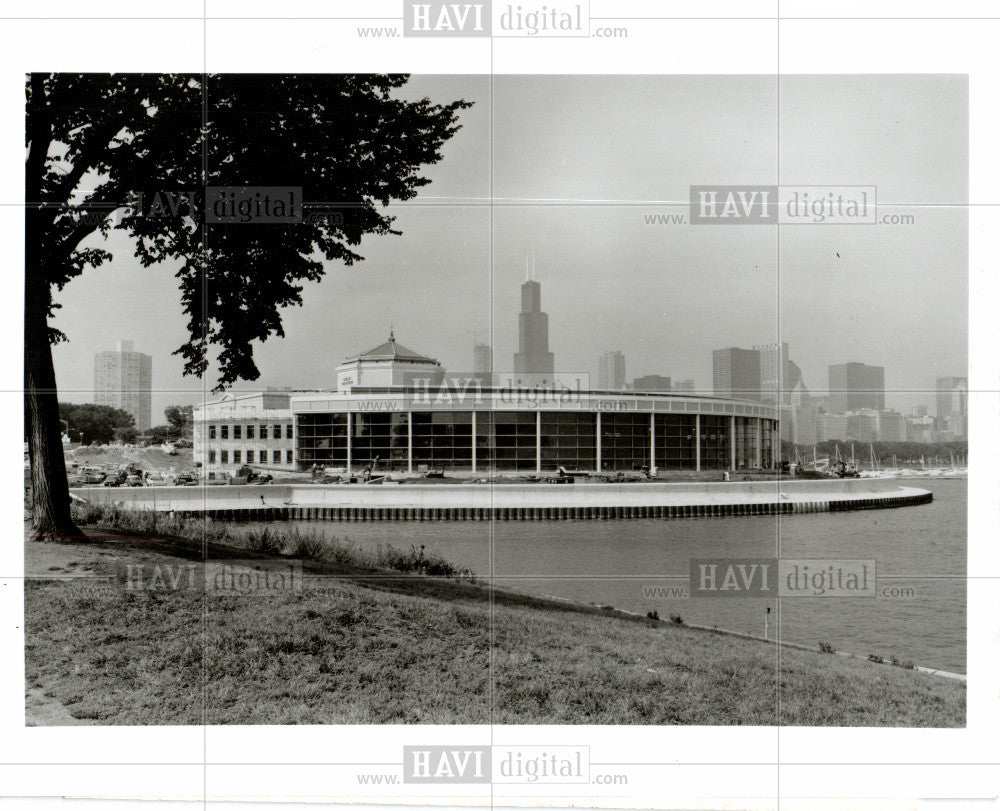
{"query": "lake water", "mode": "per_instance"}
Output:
(921, 551)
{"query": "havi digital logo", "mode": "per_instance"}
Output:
(446, 764)
(439, 19)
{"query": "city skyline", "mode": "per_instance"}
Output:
(666, 295)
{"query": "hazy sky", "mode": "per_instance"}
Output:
(576, 164)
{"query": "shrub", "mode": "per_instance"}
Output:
(826, 647)
(877, 659)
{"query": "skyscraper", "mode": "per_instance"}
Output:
(773, 366)
(482, 358)
(124, 379)
(611, 371)
(736, 373)
(953, 405)
(686, 385)
(854, 386)
(533, 356)
(654, 383)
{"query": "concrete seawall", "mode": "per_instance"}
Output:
(511, 502)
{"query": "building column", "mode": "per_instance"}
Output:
(776, 442)
(697, 442)
(409, 441)
(538, 441)
(473, 440)
(598, 460)
(652, 443)
(349, 427)
(732, 443)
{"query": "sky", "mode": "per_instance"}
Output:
(575, 164)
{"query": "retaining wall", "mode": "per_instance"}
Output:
(512, 502)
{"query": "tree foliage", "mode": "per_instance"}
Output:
(348, 141)
(180, 420)
(95, 424)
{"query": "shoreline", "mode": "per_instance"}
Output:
(505, 502)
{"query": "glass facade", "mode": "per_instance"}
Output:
(379, 436)
(767, 445)
(747, 440)
(569, 439)
(442, 439)
(675, 449)
(714, 442)
(322, 440)
(625, 441)
(506, 440)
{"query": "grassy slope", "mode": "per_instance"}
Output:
(409, 649)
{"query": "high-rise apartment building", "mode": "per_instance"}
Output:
(611, 371)
(124, 379)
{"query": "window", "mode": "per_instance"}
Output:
(381, 436)
(675, 440)
(441, 439)
(275, 456)
(288, 457)
(624, 441)
(249, 432)
(277, 432)
(506, 440)
(322, 439)
(224, 432)
(237, 433)
(263, 432)
(224, 457)
(249, 457)
(714, 442)
(211, 457)
(288, 432)
(569, 438)
(211, 432)
(237, 457)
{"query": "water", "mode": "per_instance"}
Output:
(622, 563)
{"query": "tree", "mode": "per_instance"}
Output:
(95, 424)
(181, 419)
(96, 141)
(158, 434)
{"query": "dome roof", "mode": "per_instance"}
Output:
(393, 350)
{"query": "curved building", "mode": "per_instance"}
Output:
(429, 421)
(498, 428)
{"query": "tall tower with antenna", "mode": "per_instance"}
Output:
(533, 355)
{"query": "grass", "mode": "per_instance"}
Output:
(290, 542)
(373, 640)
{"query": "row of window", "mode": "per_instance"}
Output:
(222, 431)
(508, 440)
(239, 457)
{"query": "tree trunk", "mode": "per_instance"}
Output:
(49, 488)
